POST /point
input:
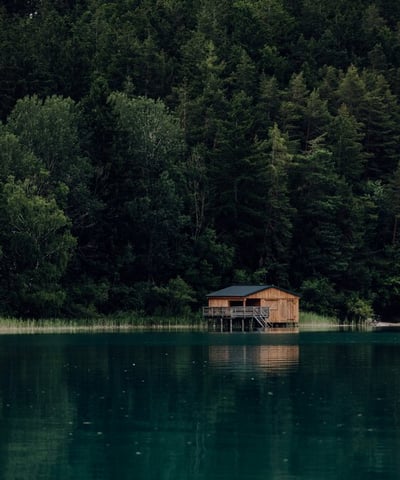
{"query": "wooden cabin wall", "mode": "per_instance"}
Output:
(218, 302)
(283, 306)
(283, 310)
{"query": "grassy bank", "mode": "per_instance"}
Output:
(314, 320)
(109, 323)
(125, 322)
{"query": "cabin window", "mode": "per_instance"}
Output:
(253, 302)
(236, 303)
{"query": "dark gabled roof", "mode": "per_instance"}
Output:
(244, 290)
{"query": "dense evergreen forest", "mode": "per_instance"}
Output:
(154, 150)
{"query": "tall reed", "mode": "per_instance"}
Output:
(311, 318)
(117, 322)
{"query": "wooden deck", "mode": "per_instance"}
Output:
(235, 312)
(236, 318)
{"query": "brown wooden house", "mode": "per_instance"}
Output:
(258, 305)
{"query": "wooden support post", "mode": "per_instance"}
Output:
(230, 325)
(242, 324)
(222, 324)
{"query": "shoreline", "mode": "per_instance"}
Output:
(12, 329)
(135, 322)
(25, 327)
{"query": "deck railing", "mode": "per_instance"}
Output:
(236, 312)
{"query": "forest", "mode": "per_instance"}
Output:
(152, 151)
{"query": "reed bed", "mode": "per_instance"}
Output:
(115, 323)
(314, 320)
(127, 322)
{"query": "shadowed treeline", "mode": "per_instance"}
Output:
(153, 151)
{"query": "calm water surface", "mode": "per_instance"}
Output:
(178, 406)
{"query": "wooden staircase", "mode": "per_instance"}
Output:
(262, 321)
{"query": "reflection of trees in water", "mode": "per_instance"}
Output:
(141, 398)
(36, 413)
(195, 411)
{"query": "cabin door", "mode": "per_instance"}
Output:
(290, 310)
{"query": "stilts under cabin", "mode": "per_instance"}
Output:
(251, 307)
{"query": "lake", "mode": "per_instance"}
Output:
(161, 405)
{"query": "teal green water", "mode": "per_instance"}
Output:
(178, 406)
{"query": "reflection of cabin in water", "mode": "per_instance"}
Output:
(249, 307)
(271, 358)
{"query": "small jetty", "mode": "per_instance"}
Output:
(245, 319)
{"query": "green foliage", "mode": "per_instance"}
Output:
(145, 181)
(348, 153)
(275, 163)
(17, 160)
(152, 151)
(49, 129)
(175, 298)
(323, 203)
(359, 309)
(318, 295)
(86, 297)
(209, 264)
(37, 245)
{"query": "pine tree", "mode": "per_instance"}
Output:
(345, 138)
(292, 109)
(322, 199)
(278, 214)
(382, 132)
